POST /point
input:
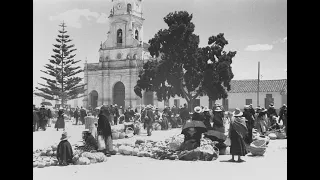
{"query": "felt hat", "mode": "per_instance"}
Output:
(237, 112)
(246, 107)
(197, 109)
(64, 136)
(218, 109)
(271, 105)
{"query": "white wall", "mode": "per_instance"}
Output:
(238, 100)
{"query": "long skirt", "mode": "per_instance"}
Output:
(238, 146)
(59, 124)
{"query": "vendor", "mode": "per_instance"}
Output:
(197, 115)
(90, 143)
(207, 118)
(191, 139)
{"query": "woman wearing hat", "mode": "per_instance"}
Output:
(64, 150)
(197, 115)
(237, 132)
(90, 143)
(60, 120)
(207, 118)
(218, 116)
(249, 122)
(261, 121)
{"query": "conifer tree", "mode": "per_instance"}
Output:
(63, 84)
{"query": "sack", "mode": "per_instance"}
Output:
(101, 143)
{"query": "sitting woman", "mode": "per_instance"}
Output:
(90, 143)
(191, 139)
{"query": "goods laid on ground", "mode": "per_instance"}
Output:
(169, 149)
(272, 136)
(258, 147)
(277, 134)
(47, 157)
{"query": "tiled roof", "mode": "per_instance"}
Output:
(245, 86)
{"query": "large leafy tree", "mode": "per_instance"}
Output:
(63, 84)
(181, 67)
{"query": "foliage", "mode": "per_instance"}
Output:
(181, 67)
(62, 67)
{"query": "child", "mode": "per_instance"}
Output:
(64, 150)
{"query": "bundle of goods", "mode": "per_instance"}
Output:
(118, 131)
(47, 157)
(168, 149)
(89, 121)
(272, 136)
(258, 147)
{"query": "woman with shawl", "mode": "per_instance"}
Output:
(90, 143)
(207, 118)
(197, 115)
(60, 120)
(261, 121)
(64, 150)
(237, 132)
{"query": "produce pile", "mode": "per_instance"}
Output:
(168, 149)
(47, 157)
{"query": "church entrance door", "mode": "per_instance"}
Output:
(119, 94)
(93, 99)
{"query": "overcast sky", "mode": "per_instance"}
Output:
(256, 29)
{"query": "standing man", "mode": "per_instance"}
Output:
(251, 110)
(83, 114)
(43, 118)
(247, 114)
(117, 115)
(76, 115)
(149, 119)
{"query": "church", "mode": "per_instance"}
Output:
(112, 79)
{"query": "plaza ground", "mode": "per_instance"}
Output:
(273, 165)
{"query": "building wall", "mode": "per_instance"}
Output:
(238, 100)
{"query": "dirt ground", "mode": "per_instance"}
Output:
(273, 165)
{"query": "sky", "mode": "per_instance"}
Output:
(256, 29)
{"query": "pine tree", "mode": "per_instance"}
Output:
(64, 85)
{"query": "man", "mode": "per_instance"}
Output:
(175, 110)
(281, 112)
(43, 118)
(251, 110)
(83, 114)
(247, 114)
(184, 114)
(35, 119)
(127, 116)
(131, 112)
(112, 113)
(149, 119)
(271, 112)
(218, 120)
(76, 115)
(156, 113)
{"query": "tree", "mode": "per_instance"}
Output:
(64, 85)
(181, 67)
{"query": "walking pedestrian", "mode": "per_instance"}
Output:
(83, 114)
(104, 129)
(60, 124)
(249, 123)
(76, 115)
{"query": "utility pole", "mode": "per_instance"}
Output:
(258, 83)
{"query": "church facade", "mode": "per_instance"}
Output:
(112, 79)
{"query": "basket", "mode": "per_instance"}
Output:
(258, 147)
(115, 135)
(129, 130)
(280, 134)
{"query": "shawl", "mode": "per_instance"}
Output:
(104, 126)
(64, 151)
(239, 125)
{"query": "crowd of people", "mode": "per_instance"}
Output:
(238, 124)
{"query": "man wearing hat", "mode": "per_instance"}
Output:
(197, 115)
(217, 119)
(148, 119)
(184, 114)
(251, 110)
(64, 150)
(104, 129)
(43, 117)
(207, 117)
(116, 114)
(249, 123)
(271, 112)
(83, 113)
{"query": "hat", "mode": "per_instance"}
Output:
(271, 105)
(246, 107)
(250, 105)
(86, 131)
(284, 105)
(206, 109)
(64, 136)
(263, 110)
(218, 109)
(237, 112)
(61, 108)
(42, 106)
(115, 105)
(197, 109)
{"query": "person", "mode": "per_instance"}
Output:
(191, 139)
(156, 114)
(217, 119)
(43, 117)
(197, 116)
(281, 112)
(148, 120)
(111, 118)
(131, 112)
(207, 118)
(284, 118)
(71, 113)
(120, 110)
(251, 110)
(127, 116)
(184, 113)
(261, 124)
(247, 114)
(83, 114)
(49, 114)
(76, 115)
(116, 114)
(35, 119)
(60, 120)
(237, 132)
(90, 143)
(64, 150)
(270, 113)
(104, 129)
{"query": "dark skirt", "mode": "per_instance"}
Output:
(60, 123)
(238, 146)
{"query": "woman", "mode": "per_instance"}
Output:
(90, 143)
(237, 132)
(217, 119)
(261, 124)
(64, 150)
(60, 120)
(104, 129)
(207, 118)
(197, 115)
(192, 138)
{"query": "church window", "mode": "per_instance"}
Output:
(136, 35)
(119, 36)
(129, 8)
